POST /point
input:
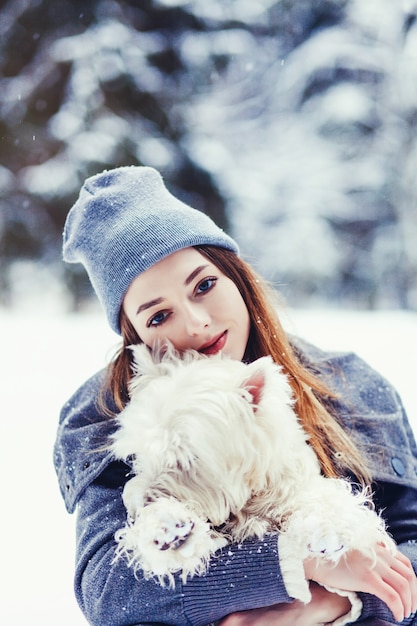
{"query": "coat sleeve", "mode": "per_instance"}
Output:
(370, 410)
(240, 577)
(400, 513)
(398, 505)
(382, 427)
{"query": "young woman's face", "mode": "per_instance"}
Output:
(186, 299)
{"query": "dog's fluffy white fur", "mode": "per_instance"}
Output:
(219, 456)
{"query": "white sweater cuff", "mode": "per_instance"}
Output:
(355, 610)
(292, 571)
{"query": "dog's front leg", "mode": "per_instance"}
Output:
(167, 536)
(134, 496)
(329, 519)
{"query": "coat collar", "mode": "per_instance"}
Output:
(81, 449)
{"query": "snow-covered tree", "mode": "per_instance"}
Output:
(291, 122)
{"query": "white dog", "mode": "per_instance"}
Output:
(219, 456)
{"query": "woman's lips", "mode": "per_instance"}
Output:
(215, 345)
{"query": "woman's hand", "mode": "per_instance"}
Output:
(323, 607)
(391, 578)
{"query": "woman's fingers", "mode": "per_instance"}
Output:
(401, 580)
(391, 591)
(411, 577)
(393, 581)
(390, 578)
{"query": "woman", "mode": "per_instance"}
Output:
(163, 270)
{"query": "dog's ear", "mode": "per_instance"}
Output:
(254, 385)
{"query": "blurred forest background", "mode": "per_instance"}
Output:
(291, 122)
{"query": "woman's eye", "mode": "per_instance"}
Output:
(206, 285)
(157, 319)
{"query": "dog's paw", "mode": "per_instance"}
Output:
(320, 536)
(166, 537)
(172, 533)
(327, 543)
(166, 524)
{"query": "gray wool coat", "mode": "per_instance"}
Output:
(243, 576)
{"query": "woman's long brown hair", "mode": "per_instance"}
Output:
(266, 337)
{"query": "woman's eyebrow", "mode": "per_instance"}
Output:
(156, 301)
(148, 305)
(194, 273)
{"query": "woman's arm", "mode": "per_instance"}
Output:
(325, 607)
(390, 578)
(391, 582)
(241, 577)
(399, 508)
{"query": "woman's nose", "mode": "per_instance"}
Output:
(196, 320)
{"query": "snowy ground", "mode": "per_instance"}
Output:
(44, 360)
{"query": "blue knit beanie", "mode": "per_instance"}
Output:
(124, 221)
